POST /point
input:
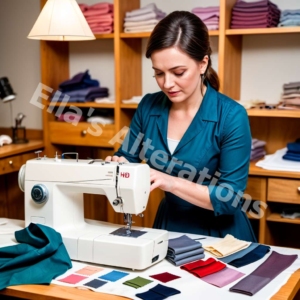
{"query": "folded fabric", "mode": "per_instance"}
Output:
(147, 16)
(182, 244)
(256, 143)
(254, 255)
(294, 147)
(141, 23)
(137, 282)
(158, 292)
(101, 120)
(40, 257)
(188, 259)
(223, 277)
(291, 156)
(266, 272)
(151, 7)
(183, 255)
(201, 268)
(165, 277)
(228, 245)
(78, 81)
(238, 254)
(291, 213)
(146, 28)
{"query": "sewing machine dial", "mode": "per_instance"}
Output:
(39, 193)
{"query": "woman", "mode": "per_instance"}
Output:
(196, 140)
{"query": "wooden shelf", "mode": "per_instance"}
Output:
(254, 170)
(275, 217)
(130, 106)
(14, 149)
(104, 36)
(251, 217)
(273, 30)
(147, 34)
(281, 113)
(86, 104)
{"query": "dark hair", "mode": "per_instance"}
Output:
(186, 31)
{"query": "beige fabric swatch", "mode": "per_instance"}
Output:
(227, 246)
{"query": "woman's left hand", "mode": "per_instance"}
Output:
(161, 180)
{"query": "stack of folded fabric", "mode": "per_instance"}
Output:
(80, 88)
(99, 16)
(291, 96)
(257, 149)
(209, 16)
(183, 250)
(293, 151)
(259, 14)
(213, 272)
(291, 212)
(290, 17)
(143, 19)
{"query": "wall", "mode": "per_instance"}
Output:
(19, 60)
(268, 61)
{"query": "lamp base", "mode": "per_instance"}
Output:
(19, 135)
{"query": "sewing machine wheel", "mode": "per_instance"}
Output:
(21, 178)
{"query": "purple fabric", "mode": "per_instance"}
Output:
(266, 272)
(207, 16)
(223, 277)
(257, 143)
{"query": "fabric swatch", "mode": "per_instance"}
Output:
(95, 283)
(256, 254)
(228, 245)
(223, 277)
(202, 268)
(165, 277)
(137, 282)
(182, 244)
(158, 292)
(73, 279)
(89, 270)
(114, 275)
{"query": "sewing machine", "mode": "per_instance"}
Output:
(54, 190)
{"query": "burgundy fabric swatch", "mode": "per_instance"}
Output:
(165, 277)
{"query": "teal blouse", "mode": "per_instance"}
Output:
(214, 151)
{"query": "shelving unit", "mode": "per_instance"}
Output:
(276, 127)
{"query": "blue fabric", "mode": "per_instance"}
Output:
(217, 140)
(254, 255)
(78, 81)
(40, 257)
(291, 156)
(95, 283)
(158, 292)
(113, 275)
(293, 147)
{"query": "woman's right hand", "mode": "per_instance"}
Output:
(116, 158)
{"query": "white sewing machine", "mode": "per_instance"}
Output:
(54, 197)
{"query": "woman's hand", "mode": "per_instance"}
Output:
(116, 158)
(161, 180)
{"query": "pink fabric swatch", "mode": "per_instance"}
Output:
(73, 279)
(223, 277)
(89, 270)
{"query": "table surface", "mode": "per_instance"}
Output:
(289, 281)
(14, 149)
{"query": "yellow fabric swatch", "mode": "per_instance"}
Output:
(227, 246)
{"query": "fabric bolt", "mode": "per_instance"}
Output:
(89, 270)
(259, 252)
(137, 282)
(158, 292)
(202, 268)
(226, 246)
(165, 277)
(182, 244)
(40, 257)
(239, 254)
(223, 277)
(95, 283)
(72, 279)
(266, 272)
(218, 118)
(113, 275)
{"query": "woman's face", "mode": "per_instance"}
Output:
(178, 75)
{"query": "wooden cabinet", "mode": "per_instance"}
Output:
(275, 127)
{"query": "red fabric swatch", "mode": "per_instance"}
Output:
(201, 268)
(165, 277)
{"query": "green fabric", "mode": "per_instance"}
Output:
(40, 257)
(137, 282)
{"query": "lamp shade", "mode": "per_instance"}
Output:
(6, 91)
(61, 20)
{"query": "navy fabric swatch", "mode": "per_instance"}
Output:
(158, 292)
(40, 257)
(254, 255)
(95, 283)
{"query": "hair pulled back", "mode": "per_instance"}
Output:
(187, 32)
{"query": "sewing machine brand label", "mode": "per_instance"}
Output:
(125, 174)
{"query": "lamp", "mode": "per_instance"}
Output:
(7, 95)
(61, 20)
